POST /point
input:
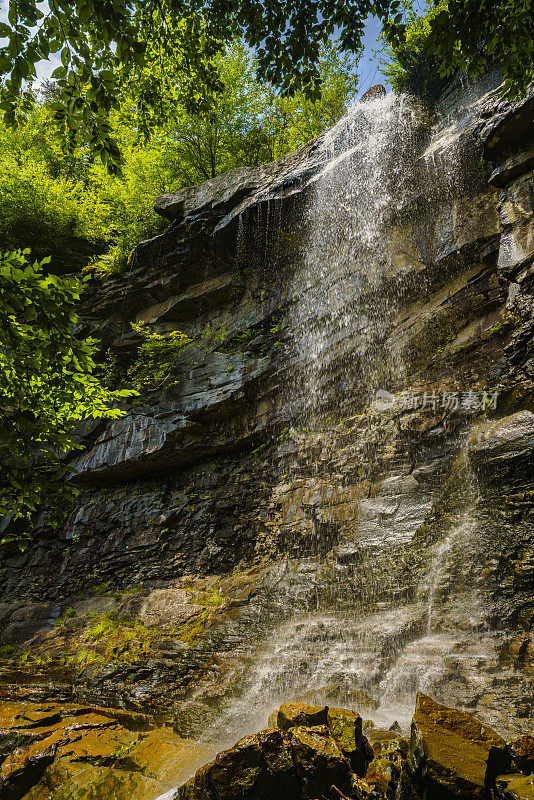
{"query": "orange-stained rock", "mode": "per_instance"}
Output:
(452, 752)
(74, 752)
(290, 715)
(516, 786)
(319, 762)
(522, 751)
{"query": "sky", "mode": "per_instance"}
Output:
(368, 67)
(369, 64)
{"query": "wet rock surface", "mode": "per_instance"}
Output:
(67, 750)
(72, 751)
(451, 752)
(261, 528)
(450, 755)
(300, 759)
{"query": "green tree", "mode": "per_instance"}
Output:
(47, 387)
(46, 201)
(249, 123)
(467, 35)
(65, 203)
(291, 121)
(411, 65)
(105, 45)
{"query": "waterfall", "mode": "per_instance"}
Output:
(340, 312)
(345, 621)
(375, 600)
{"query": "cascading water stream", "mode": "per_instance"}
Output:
(339, 310)
(374, 614)
(342, 298)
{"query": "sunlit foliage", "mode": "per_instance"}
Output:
(47, 386)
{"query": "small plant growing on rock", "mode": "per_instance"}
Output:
(156, 356)
(129, 591)
(121, 640)
(68, 613)
(212, 597)
(497, 329)
(83, 658)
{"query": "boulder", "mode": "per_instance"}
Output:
(303, 763)
(346, 728)
(522, 751)
(319, 762)
(515, 786)
(452, 754)
(386, 771)
(292, 715)
(258, 767)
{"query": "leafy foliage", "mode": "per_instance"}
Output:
(411, 66)
(467, 35)
(47, 386)
(451, 35)
(249, 123)
(65, 204)
(46, 201)
(155, 361)
(105, 48)
(110, 48)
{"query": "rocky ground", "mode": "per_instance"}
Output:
(307, 752)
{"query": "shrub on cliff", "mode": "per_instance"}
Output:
(410, 66)
(47, 386)
(154, 364)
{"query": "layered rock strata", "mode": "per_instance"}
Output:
(265, 495)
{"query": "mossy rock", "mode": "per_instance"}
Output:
(292, 715)
(346, 728)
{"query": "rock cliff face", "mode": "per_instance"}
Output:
(330, 497)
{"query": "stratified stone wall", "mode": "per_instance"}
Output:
(206, 488)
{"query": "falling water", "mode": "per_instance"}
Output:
(373, 617)
(339, 312)
(342, 300)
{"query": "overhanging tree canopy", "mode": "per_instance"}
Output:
(103, 45)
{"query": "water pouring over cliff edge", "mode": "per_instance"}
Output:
(382, 615)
